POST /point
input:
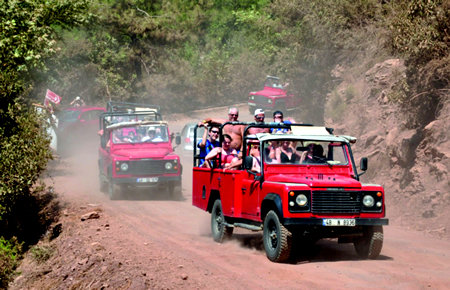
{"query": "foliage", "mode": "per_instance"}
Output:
(24, 154)
(28, 35)
(419, 32)
(41, 253)
(10, 252)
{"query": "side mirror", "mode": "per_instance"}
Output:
(364, 164)
(178, 139)
(248, 162)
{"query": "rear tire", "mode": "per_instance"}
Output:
(277, 239)
(370, 244)
(219, 230)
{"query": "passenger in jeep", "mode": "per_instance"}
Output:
(286, 154)
(270, 152)
(259, 119)
(228, 154)
(255, 153)
(150, 137)
(235, 131)
(208, 143)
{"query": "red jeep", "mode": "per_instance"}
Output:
(78, 122)
(136, 151)
(305, 188)
(273, 97)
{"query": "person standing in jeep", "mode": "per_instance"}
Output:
(208, 144)
(235, 131)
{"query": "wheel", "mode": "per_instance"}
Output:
(112, 191)
(277, 239)
(370, 244)
(219, 231)
(103, 185)
(174, 190)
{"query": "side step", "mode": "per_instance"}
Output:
(245, 226)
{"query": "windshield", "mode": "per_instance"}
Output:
(305, 152)
(140, 134)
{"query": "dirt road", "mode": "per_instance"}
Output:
(154, 243)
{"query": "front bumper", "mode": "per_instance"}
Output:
(319, 221)
(266, 106)
(162, 180)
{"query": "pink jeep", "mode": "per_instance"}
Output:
(136, 151)
(273, 97)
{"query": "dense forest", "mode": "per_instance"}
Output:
(183, 55)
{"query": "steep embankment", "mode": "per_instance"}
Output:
(412, 164)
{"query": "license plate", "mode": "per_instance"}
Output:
(338, 222)
(147, 179)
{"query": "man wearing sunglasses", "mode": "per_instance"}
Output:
(259, 119)
(208, 144)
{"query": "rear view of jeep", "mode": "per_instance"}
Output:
(136, 152)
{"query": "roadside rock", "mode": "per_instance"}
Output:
(90, 215)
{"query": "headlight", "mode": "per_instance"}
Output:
(124, 166)
(368, 201)
(301, 200)
(252, 97)
(168, 165)
(269, 101)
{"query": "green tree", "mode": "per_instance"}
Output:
(28, 35)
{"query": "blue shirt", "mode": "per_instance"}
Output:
(208, 147)
(275, 130)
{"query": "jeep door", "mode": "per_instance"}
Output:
(250, 192)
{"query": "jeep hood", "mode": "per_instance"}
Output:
(139, 153)
(267, 92)
(316, 180)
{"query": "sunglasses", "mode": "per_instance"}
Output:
(259, 117)
(278, 117)
(234, 115)
(215, 132)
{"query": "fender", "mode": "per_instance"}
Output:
(271, 201)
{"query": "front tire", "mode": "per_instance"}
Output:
(277, 239)
(113, 191)
(219, 230)
(370, 244)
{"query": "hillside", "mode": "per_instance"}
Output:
(411, 163)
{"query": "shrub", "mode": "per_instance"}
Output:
(10, 252)
(24, 153)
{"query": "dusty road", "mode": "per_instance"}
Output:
(163, 244)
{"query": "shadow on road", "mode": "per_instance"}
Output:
(325, 250)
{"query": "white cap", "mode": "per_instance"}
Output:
(259, 111)
(77, 98)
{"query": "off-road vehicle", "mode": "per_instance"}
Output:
(309, 195)
(136, 151)
(274, 96)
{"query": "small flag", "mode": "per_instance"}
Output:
(52, 97)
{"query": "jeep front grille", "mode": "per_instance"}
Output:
(336, 202)
(261, 100)
(146, 167)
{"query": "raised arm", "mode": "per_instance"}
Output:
(202, 143)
